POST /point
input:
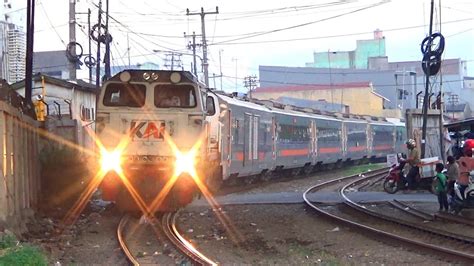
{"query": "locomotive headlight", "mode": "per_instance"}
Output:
(146, 76)
(175, 77)
(111, 161)
(185, 163)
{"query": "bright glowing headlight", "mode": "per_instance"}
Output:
(185, 163)
(111, 161)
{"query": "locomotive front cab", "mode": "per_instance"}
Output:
(150, 126)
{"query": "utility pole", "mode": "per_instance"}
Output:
(250, 82)
(128, 50)
(175, 60)
(88, 60)
(90, 41)
(192, 46)
(99, 23)
(107, 42)
(72, 39)
(204, 43)
(236, 60)
(30, 29)
(220, 64)
(427, 86)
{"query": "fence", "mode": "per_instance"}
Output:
(19, 164)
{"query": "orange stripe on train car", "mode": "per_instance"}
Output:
(239, 156)
(382, 147)
(297, 152)
(330, 150)
(359, 148)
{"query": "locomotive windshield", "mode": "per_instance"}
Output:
(182, 96)
(128, 95)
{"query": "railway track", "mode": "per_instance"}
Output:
(457, 247)
(166, 227)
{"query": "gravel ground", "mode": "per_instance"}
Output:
(288, 234)
(248, 234)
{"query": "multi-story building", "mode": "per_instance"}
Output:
(12, 52)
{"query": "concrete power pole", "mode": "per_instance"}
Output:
(204, 43)
(250, 82)
(192, 46)
(72, 39)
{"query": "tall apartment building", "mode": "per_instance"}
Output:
(12, 47)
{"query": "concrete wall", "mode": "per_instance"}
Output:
(360, 100)
(19, 166)
(414, 123)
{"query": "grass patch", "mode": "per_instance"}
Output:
(14, 253)
(362, 168)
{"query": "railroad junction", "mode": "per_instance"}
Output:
(265, 223)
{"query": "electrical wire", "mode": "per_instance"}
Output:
(307, 23)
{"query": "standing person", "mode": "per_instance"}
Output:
(448, 143)
(441, 187)
(452, 173)
(413, 160)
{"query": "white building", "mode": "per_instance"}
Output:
(12, 47)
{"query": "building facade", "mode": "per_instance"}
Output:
(359, 97)
(365, 52)
(75, 102)
(13, 52)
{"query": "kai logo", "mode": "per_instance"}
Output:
(147, 130)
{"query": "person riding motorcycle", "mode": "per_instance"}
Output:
(413, 160)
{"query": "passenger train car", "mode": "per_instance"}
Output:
(151, 120)
(262, 137)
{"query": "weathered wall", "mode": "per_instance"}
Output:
(360, 100)
(19, 165)
(414, 123)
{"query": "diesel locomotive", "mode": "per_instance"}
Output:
(162, 136)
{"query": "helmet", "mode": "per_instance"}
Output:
(411, 143)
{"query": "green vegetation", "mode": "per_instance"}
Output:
(362, 168)
(14, 253)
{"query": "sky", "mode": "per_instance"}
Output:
(246, 34)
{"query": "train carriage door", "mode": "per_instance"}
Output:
(312, 132)
(255, 138)
(274, 138)
(345, 131)
(248, 135)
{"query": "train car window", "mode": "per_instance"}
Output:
(127, 95)
(328, 134)
(291, 133)
(210, 107)
(167, 95)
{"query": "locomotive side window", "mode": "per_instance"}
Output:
(182, 96)
(129, 95)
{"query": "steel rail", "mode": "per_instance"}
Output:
(171, 232)
(438, 232)
(121, 239)
(362, 226)
(447, 251)
(410, 210)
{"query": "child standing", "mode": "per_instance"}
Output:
(441, 187)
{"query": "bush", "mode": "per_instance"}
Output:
(12, 253)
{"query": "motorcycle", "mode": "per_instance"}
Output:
(459, 201)
(396, 180)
